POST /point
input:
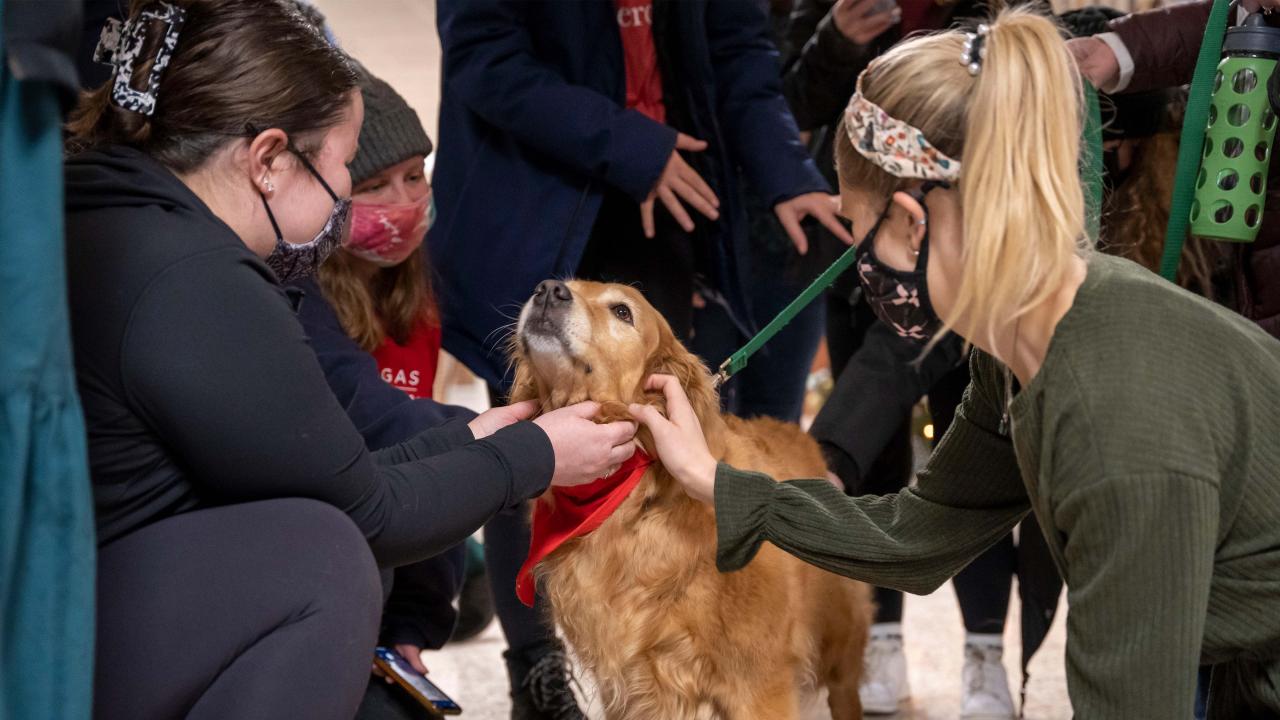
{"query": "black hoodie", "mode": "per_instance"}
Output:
(199, 388)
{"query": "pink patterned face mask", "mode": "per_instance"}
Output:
(386, 235)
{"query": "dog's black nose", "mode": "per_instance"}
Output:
(551, 293)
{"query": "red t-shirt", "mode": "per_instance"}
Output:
(644, 81)
(411, 367)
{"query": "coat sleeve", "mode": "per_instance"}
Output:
(752, 110)
(873, 395)
(1163, 43)
(383, 415)
(821, 72)
(216, 364)
(420, 609)
(968, 497)
(491, 66)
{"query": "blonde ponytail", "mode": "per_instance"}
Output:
(1016, 126)
(1022, 199)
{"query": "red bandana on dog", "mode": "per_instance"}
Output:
(574, 512)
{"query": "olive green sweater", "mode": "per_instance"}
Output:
(1148, 446)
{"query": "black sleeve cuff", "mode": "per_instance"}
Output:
(395, 632)
(428, 443)
(842, 464)
(526, 451)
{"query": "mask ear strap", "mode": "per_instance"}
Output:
(311, 169)
(271, 216)
(922, 256)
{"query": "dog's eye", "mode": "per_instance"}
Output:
(622, 312)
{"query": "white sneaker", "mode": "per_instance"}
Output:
(884, 673)
(986, 686)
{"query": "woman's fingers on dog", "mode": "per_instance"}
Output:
(522, 410)
(649, 416)
(617, 433)
(620, 454)
(585, 409)
(678, 408)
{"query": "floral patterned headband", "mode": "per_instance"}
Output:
(896, 147)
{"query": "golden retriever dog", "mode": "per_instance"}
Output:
(664, 634)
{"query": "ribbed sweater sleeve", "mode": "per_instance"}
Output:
(1139, 592)
(969, 496)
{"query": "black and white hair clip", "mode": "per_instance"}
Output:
(121, 46)
(975, 49)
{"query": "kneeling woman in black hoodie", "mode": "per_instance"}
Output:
(241, 521)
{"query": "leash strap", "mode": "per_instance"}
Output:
(737, 361)
(1091, 160)
(1192, 139)
(1091, 163)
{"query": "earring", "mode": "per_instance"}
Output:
(266, 183)
(922, 221)
(914, 252)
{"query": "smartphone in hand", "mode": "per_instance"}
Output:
(414, 682)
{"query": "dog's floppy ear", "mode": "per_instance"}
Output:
(671, 358)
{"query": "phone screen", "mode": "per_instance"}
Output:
(405, 671)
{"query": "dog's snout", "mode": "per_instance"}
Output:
(551, 293)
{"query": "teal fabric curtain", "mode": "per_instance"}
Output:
(47, 548)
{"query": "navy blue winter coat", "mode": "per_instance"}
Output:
(533, 128)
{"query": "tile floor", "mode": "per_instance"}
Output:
(397, 40)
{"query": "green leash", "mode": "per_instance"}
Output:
(1091, 162)
(738, 360)
(1192, 139)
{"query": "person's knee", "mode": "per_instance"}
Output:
(345, 582)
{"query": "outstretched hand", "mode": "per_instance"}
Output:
(678, 438)
(821, 207)
(679, 181)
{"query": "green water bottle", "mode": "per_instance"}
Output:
(1232, 184)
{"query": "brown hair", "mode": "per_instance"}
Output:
(388, 304)
(1137, 211)
(237, 63)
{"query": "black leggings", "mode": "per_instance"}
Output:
(261, 610)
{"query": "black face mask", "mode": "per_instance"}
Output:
(900, 298)
(292, 262)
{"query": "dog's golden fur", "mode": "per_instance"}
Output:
(664, 634)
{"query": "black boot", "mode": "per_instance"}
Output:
(540, 685)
